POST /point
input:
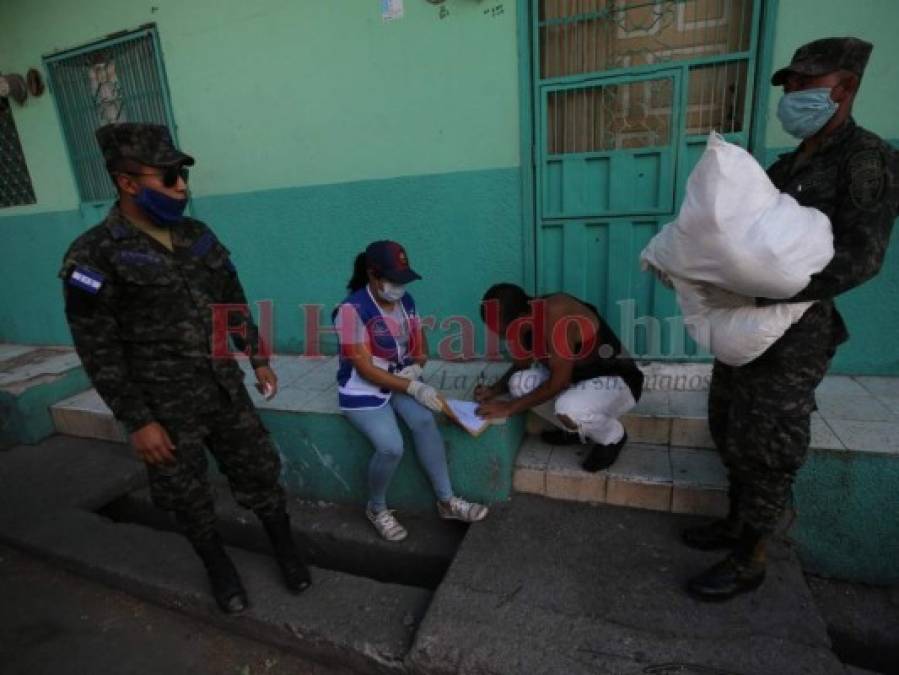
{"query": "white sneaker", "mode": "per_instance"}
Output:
(459, 509)
(386, 525)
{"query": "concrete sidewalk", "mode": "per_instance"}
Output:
(553, 587)
(54, 623)
(540, 587)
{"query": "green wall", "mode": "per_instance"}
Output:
(289, 93)
(298, 245)
(317, 128)
(801, 21)
(870, 311)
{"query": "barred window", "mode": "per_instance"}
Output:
(117, 80)
(15, 183)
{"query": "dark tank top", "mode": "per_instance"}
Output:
(609, 357)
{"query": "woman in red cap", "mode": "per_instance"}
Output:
(382, 352)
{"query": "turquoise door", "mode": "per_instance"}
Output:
(625, 95)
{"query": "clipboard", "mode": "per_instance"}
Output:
(462, 413)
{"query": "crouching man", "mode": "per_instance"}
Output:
(568, 367)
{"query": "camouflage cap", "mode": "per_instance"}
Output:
(826, 55)
(149, 144)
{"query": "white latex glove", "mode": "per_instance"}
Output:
(412, 372)
(663, 278)
(717, 298)
(425, 394)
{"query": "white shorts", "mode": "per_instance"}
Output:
(595, 406)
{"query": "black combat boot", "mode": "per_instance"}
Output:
(560, 437)
(293, 568)
(226, 585)
(719, 534)
(603, 456)
(742, 571)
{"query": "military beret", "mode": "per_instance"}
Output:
(149, 144)
(827, 55)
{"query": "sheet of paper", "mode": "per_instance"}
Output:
(464, 412)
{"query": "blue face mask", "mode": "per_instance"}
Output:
(162, 209)
(804, 113)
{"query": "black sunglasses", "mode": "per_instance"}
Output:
(169, 177)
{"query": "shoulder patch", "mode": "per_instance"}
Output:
(86, 279)
(867, 178)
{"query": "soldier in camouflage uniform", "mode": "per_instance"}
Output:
(139, 290)
(759, 414)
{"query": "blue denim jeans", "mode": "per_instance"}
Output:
(382, 429)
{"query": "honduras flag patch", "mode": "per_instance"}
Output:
(86, 279)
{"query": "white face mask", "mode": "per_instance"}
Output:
(392, 292)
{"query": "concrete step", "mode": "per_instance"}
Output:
(342, 619)
(307, 386)
(655, 477)
(540, 586)
(850, 473)
(856, 413)
(334, 536)
(670, 463)
(62, 493)
(545, 587)
(326, 458)
(666, 466)
(32, 378)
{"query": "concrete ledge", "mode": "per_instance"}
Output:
(327, 459)
(63, 473)
(654, 477)
(855, 449)
(582, 590)
(336, 537)
(31, 380)
(340, 619)
(45, 501)
(85, 415)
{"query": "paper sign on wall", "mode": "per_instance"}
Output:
(391, 10)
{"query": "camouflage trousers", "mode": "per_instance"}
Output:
(760, 417)
(233, 433)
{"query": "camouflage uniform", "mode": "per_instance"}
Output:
(141, 320)
(759, 414)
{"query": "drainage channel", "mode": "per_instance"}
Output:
(863, 652)
(334, 537)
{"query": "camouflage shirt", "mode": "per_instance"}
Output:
(851, 179)
(141, 317)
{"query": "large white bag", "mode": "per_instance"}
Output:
(734, 336)
(737, 231)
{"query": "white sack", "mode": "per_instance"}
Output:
(735, 336)
(737, 231)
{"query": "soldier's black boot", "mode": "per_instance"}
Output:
(742, 571)
(719, 534)
(227, 588)
(290, 560)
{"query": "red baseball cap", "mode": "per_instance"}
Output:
(389, 260)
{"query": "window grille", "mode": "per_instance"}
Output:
(118, 80)
(586, 37)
